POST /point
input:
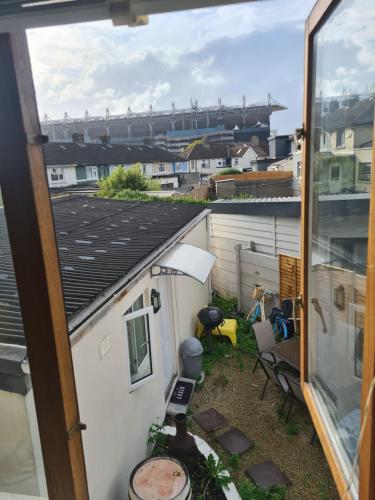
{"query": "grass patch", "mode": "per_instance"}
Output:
(249, 491)
(219, 349)
(292, 429)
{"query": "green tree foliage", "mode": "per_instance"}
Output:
(126, 179)
(230, 171)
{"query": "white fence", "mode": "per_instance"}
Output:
(247, 249)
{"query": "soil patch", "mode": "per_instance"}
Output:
(288, 445)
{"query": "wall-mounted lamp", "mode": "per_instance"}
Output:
(155, 300)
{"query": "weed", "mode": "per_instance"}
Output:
(234, 462)
(249, 491)
(292, 429)
(157, 439)
(221, 381)
(214, 471)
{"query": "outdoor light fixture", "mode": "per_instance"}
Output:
(155, 300)
(16, 15)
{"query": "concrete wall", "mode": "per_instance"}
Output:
(117, 418)
(256, 188)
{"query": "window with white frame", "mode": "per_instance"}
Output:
(137, 326)
(161, 167)
(340, 138)
(57, 174)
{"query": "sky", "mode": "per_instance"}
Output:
(249, 49)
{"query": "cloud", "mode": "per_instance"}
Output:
(177, 56)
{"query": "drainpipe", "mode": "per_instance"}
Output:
(237, 249)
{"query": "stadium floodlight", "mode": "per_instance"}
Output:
(18, 15)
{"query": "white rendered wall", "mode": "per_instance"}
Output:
(189, 294)
(69, 177)
(117, 419)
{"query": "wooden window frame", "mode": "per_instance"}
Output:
(27, 206)
(319, 14)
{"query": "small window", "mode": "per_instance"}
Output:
(335, 172)
(236, 161)
(57, 174)
(364, 172)
(340, 138)
(137, 326)
(161, 167)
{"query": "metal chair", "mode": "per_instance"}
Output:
(265, 339)
(272, 372)
(295, 394)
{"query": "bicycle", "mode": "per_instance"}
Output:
(257, 311)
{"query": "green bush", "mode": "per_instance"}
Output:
(126, 179)
(230, 171)
(249, 491)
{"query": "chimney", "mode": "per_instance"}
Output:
(78, 138)
(254, 140)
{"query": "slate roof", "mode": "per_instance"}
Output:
(208, 151)
(72, 153)
(99, 243)
(360, 113)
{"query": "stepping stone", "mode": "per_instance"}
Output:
(267, 474)
(235, 442)
(210, 420)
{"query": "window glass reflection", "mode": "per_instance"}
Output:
(341, 154)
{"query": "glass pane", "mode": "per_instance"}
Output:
(139, 348)
(341, 153)
(21, 463)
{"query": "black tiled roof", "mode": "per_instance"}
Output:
(99, 243)
(72, 153)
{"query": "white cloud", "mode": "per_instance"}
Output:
(95, 65)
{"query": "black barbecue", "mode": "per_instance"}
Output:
(211, 317)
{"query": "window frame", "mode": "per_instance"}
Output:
(149, 313)
(362, 163)
(27, 205)
(319, 14)
(335, 165)
(340, 133)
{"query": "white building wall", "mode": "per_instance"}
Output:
(244, 162)
(118, 420)
(189, 292)
(69, 176)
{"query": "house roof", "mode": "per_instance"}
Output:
(72, 153)
(208, 151)
(99, 242)
(359, 113)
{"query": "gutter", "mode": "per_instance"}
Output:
(87, 313)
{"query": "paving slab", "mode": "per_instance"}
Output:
(267, 474)
(235, 441)
(210, 420)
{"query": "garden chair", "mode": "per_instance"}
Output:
(265, 339)
(271, 370)
(295, 394)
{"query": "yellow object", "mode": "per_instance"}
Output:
(228, 329)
